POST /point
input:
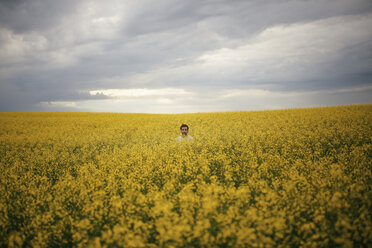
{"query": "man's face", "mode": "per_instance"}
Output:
(184, 130)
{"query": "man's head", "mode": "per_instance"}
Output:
(184, 129)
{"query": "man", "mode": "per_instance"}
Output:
(184, 137)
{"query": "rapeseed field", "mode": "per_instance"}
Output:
(279, 178)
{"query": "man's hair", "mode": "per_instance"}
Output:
(184, 125)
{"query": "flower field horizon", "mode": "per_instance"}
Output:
(272, 178)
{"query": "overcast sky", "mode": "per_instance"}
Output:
(170, 56)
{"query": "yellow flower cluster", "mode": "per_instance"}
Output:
(283, 178)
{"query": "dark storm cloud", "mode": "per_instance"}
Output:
(60, 50)
(36, 15)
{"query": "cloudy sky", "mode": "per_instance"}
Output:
(169, 56)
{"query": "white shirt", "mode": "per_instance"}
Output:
(187, 138)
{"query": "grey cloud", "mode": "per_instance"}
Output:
(36, 15)
(24, 96)
(64, 48)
